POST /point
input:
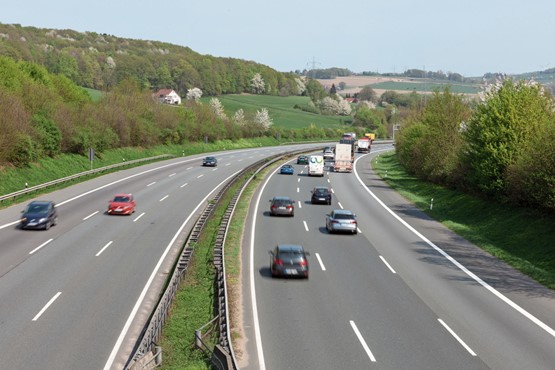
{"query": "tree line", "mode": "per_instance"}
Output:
(502, 146)
(101, 61)
(46, 114)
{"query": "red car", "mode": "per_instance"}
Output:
(121, 204)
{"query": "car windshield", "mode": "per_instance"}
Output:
(321, 191)
(37, 208)
(121, 199)
(290, 254)
(210, 158)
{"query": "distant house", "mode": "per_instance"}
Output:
(168, 96)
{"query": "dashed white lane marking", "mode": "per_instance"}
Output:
(164, 198)
(320, 262)
(89, 216)
(139, 216)
(362, 341)
(46, 306)
(152, 183)
(40, 246)
(104, 248)
(305, 225)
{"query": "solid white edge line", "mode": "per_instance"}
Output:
(362, 341)
(139, 216)
(320, 262)
(133, 313)
(89, 216)
(494, 291)
(104, 248)
(40, 246)
(257, 335)
(457, 337)
(46, 306)
(305, 225)
(387, 264)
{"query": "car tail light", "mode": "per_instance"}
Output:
(303, 263)
(277, 261)
(289, 207)
(353, 222)
(335, 222)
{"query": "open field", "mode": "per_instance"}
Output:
(402, 85)
(280, 109)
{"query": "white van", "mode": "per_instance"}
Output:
(316, 165)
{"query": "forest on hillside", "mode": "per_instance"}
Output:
(102, 61)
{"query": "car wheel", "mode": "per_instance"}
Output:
(47, 225)
(355, 232)
(292, 214)
(55, 221)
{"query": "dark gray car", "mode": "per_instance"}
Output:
(282, 206)
(39, 215)
(289, 260)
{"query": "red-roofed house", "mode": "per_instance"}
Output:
(168, 96)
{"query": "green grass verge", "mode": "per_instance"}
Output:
(521, 237)
(194, 303)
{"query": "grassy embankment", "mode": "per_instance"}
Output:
(421, 86)
(48, 169)
(522, 237)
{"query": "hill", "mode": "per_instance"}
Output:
(101, 61)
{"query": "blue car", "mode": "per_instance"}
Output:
(287, 169)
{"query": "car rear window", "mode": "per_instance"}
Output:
(342, 216)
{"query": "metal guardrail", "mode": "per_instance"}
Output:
(151, 333)
(77, 175)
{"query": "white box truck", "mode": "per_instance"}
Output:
(316, 165)
(343, 158)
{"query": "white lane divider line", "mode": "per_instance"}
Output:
(199, 176)
(228, 164)
(298, 190)
(305, 225)
(215, 169)
(299, 179)
(164, 198)
(152, 183)
(104, 248)
(329, 179)
(139, 216)
(456, 337)
(340, 206)
(182, 186)
(332, 190)
(320, 262)
(46, 306)
(362, 341)
(40, 246)
(173, 174)
(359, 231)
(300, 206)
(387, 264)
(89, 216)
(189, 168)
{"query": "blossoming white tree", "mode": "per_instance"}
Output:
(239, 117)
(217, 108)
(263, 119)
(194, 94)
(257, 84)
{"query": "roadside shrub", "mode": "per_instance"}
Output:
(24, 151)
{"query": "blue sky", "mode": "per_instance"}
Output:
(470, 37)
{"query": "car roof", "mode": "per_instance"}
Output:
(290, 248)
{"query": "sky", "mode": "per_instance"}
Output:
(470, 37)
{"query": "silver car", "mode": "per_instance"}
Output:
(341, 220)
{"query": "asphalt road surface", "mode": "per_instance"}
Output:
(77, 296)
(405, 293)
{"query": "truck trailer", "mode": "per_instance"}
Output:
(344, 154)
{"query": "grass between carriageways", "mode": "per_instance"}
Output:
(194, 303)
(522, 237)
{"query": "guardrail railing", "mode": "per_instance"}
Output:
(77, 175)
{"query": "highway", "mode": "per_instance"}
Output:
(405, 293)
(77, 296)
